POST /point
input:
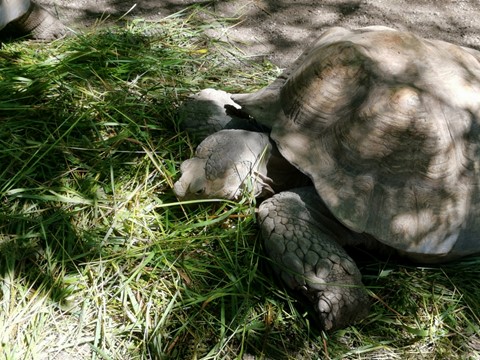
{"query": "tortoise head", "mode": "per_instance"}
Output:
(226, 164)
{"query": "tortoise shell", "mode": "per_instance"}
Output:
(386, 124)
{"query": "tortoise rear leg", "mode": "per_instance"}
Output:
(299, 236)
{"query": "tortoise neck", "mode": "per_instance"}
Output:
(262, 105)
(284, 176)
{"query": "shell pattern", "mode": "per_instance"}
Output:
(386, 124)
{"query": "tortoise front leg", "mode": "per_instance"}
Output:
(299, 236)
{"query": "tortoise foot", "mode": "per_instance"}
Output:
(300, 242)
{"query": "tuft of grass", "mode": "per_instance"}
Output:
(98, 260)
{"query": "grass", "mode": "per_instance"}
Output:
(98, 260)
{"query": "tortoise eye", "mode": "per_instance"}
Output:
(199, 192)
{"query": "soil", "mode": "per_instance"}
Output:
(279, 30)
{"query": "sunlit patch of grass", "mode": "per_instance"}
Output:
(420, 312)
(99, 260)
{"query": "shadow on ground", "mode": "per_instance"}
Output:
(280, 30)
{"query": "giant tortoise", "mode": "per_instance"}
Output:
(385, 125)
(27, 18)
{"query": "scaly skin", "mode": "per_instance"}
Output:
(37, 23)
(299, 237)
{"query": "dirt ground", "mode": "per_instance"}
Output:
(280, 29)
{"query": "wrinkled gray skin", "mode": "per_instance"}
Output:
(204, 114)
(386, 127)
(24, 18)
(209, 172)
(254, 167)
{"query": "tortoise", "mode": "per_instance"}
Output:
(382, 128)
(20, 18)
